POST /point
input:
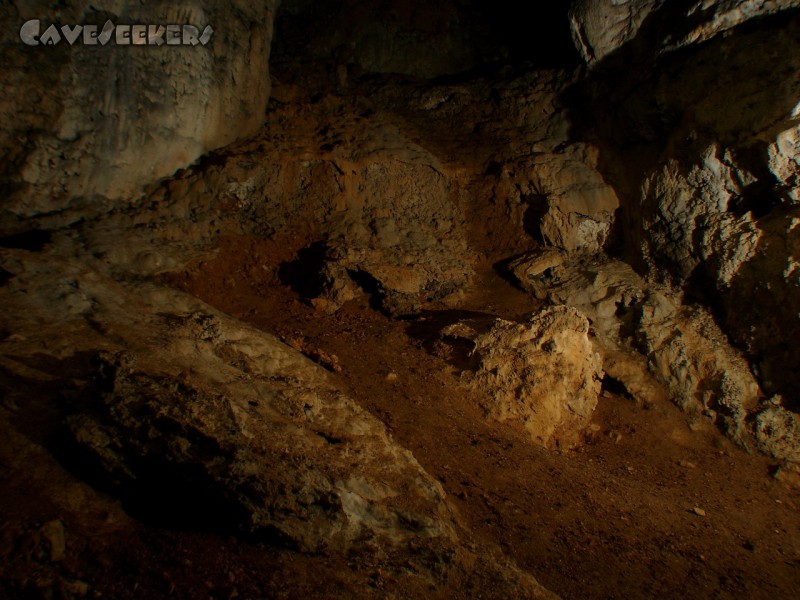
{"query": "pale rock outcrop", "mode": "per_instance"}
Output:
(777, 432)
(784, 159)
(544, 373)
(600, 27)
(89, 126)
(580, 204)
(717, 227)
(717, 16)
(656, 346)
(689, 216)
(531, 269)
(687, 350)
(704, 159)
(198, 420)
(181, 398)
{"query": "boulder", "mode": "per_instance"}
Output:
(544, 374)
(191, 416)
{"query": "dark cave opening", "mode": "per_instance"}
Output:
(390, 37)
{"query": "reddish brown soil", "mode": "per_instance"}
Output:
(612, 519)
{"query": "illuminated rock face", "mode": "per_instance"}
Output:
(602, 27)
(90, 125)
(704, 159)
(544, 374)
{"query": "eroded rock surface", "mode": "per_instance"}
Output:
(197, 420)
(544, 373)
(658, 347)
(684, 163)
(89, 126)
(600, 27)
(221, 409)
(703, 158)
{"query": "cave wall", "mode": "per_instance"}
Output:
(382, 168)
(698, 133)
(676, 147)
(89, 126)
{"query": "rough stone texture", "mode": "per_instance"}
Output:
(532, 269)
(380, 191)
(544, 373)
(214, 407)
(704, 160)
(778, 432)
(123, 117)
(693, 219)
(197, 420)
(784, 159)
(687, 163)
(685, 348)
(654, 345)
(580, 205)
(601, 27)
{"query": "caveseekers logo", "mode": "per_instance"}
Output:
(122, 35)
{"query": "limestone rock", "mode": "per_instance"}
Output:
(272, 462)
(531, 269)
(687, 217)
(711, 224)
(713, 17)
(195, 419)
(99, 123)
(687, 350)
(778, 431)
(788, 473)
(706, 167)
(544, 373)
(197, 416)
(784, 159)
(580, 205)
(600, 27)
(648, 338)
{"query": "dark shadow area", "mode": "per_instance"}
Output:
(419, 38)
(613, 385)
(503, 270)
(162, 493)
(758, 198)
(532, 219)
(303, 275)
(34, 240)
(5, 277)
(175, 497)
(370, 286)
(428, 326)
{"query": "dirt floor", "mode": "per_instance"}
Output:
(654, 504)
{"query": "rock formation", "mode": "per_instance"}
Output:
(99, 122)
(639, 191)
(544, 373)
